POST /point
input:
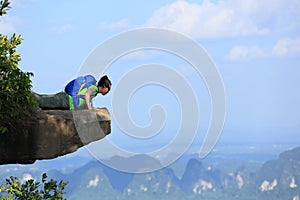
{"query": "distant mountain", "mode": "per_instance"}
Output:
(136, 163)
(282, 176)
(274, 179)
(194, 173)
(95, 180)
(286, 167)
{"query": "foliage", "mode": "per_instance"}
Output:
(4, 6)
(32, 190)
(15, 85)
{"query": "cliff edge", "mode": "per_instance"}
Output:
(48, 134)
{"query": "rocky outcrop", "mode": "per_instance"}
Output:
(52, 133)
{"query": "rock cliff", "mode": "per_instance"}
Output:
(48, 134)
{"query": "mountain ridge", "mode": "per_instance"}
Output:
(274, 179)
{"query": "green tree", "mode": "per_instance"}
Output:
(4, 6)
(33, 190)
(15, 85)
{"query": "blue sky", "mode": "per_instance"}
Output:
(254, 44)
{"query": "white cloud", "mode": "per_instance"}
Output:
(7, 24)
(283, 47)
(221, 19)
(287, 46)
(246, 52)
(21, 3)
(64, 28)
(123, 23)
(93, 182)
(26, 177)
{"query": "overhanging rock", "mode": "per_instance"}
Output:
(52, 133)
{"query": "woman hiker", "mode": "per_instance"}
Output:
(78, 94)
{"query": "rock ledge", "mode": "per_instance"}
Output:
(52, 133)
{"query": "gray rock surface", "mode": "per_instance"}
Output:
(48, 134)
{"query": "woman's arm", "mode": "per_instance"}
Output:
(87, 97)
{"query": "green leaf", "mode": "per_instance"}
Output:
(4, 5)
(16, 99)
(33, 190)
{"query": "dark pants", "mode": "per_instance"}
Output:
(59, 101)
